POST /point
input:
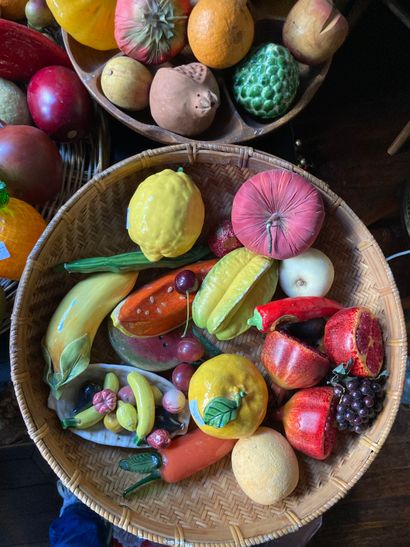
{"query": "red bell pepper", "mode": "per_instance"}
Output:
(24, 51)
(292, 310)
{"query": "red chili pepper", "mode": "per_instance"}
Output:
(292, 310)
(185, 456)
(24, 51)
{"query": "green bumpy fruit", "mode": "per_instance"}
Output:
(266, 81)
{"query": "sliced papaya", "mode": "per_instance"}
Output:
(157, 308)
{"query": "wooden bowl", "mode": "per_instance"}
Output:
(208, 509)
(232, 124)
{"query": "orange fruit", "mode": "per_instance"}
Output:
(13, 9)
(20, 227)
(220, 32)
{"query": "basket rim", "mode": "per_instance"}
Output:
(241, 156)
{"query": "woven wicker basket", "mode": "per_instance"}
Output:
(208, 509)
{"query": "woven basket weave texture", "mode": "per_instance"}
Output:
(208, 509)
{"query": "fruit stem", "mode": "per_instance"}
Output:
(4, 195)
(187, 315)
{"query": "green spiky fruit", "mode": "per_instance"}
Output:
(266, 81)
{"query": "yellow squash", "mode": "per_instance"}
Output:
(90, 22)
(166, 214)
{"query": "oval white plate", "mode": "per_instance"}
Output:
(98, 433)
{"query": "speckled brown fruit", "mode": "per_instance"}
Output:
(184, 99)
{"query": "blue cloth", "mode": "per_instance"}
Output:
(78, 526)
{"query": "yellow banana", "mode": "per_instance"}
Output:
(72, 328)
(145, 402)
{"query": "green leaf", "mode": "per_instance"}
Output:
(145, 462)
(220, 411)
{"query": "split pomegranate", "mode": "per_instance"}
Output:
(308, 418)
(355, 333)
(292, 364)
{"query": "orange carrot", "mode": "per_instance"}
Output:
(157, 308)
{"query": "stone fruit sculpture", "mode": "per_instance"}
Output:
(90, 23)
(184, 99)
(20, 227)
(38, 14)
(314, 30)
(266, 82)
(230, 292)
(265, 466)
(277, 213)
(13, 104)
(228, 397)
(105, 401)
(309, 274)
(292, 364)
(151, 31)
(222, 239)
(355, 333)
(167, 195)
(308, 419)
(126, 82)
(220, 32)
(35, 176)
(60, 104)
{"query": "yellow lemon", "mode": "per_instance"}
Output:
(166, 214)
(265, 466)
(228, 397)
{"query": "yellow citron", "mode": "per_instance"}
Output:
(166, 214)
(89, 22)
(221, 384)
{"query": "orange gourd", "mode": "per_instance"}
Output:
(20, 227)
(89, 22)
(220, 32)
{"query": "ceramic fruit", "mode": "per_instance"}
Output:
(184, 99)
(292, 310)
(157, 308)
(73, 326)
(145, 402)
(12, 9)
(127, 416)
(13, 104)
(60, 104)
(90, 23)
(314, 30)
(277, 213)
(111, 423)
(190, 349)
(265, 83)
(20, 227)
(166, 195)
(126, 395)
(355, 333)
(308, 418)
(292, 364)
(311, 331)
(159, 438)
(228, 397)
(36, 175)
(38, 14)
(265, 466)
(222, 239)
(181, 376)
(309, 274)
(151, 31)
(85, 396)
(174, 401)
(220, 32)
(105, 401)
(126, 82)
(229, 293)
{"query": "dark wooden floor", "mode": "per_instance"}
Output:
(345, 131)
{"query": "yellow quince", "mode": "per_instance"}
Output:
(166, 214)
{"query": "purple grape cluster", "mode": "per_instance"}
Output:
(360, 401)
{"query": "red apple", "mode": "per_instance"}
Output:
(308, 420)
(292, 364)
(355, 333)
(314, 30)
(59, 103)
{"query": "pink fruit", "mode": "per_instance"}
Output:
(277, 213)
(314, 30)
(105, 401)
(174, 401)
(190, 349)
(292, 364)
(181, 376)
(308, 419)
(126, 395)
(59, 103)
(159, 439)
(355, 333)
(223, 240)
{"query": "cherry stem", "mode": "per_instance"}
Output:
(187, 315)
